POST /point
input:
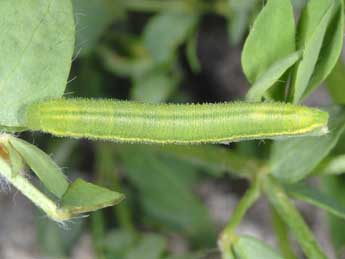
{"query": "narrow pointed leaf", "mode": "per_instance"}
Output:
(16, 161)
(271, 76)
(247, 247)
(82, 197)
(315, 197)
(271, 38)
(42, 165)
(311, 51)
(331, 48)
(310, 19)
(288, 212)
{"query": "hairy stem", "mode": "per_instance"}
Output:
(32, 193)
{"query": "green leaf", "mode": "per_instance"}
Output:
(310, 19)
(332, 166)
(165, 32)
(176, 207)
(55, 241)
(82, 197)
(239, 18)
(192, 52)
(216, 160)
(151, 246)
(119, 242)
(293, 159)
(298, 4)
(335, 187)
(271, 38)
(313, 196)
(335, 83)
(155, 86)
(247, 247)
(92, 18)
(331, 47)
(271, 76)
(311, 40)
(37, 40)
(124, 66)
(16, 161)
(42, 165)
(187, 256)
(288, 212)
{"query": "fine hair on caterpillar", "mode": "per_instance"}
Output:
(135, 122)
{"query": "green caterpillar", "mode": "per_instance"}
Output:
(134, 122)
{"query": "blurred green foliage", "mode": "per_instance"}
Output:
(146, 50)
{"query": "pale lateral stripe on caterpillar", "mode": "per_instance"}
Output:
(126, 121)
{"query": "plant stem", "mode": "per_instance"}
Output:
(288, 212)
(32, 193)
(228, 236)
(282, 234)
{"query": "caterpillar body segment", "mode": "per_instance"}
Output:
(134, 122)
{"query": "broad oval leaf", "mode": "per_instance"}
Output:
(155, 86)
(247, 247)
(271, 38)
(37, 41)
(165, 32)
(42, 165)
(294, 159)
(271, 76)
